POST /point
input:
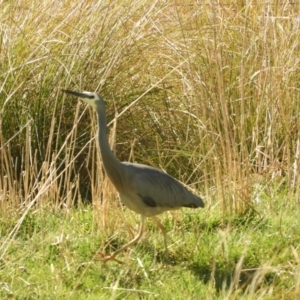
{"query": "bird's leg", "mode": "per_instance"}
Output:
(163, 230)
(114, 254)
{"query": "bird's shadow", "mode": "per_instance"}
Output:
(220, 276)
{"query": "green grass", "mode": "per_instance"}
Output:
(246, 257)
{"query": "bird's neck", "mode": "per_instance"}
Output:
(113, 168)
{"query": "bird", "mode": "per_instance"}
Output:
(146, 190)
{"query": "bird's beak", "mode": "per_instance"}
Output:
(80, 95)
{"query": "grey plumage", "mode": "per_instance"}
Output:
(145, 190)
(155, 191)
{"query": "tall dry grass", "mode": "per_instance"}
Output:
(207, 91)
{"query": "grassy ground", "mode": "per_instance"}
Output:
(207, 91)
(247, 257)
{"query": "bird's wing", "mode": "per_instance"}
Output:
(157, 188)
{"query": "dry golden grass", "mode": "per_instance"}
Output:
(211, 90)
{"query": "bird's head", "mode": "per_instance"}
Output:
(93, 99)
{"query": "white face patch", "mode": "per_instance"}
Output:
(91, 99)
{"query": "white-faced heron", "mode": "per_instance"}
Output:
(145, 190)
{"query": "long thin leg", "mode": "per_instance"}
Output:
(114, 254)
(163, 230)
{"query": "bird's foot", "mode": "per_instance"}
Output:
(104, 257)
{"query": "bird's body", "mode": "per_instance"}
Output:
(150, 192)
(143, 189)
